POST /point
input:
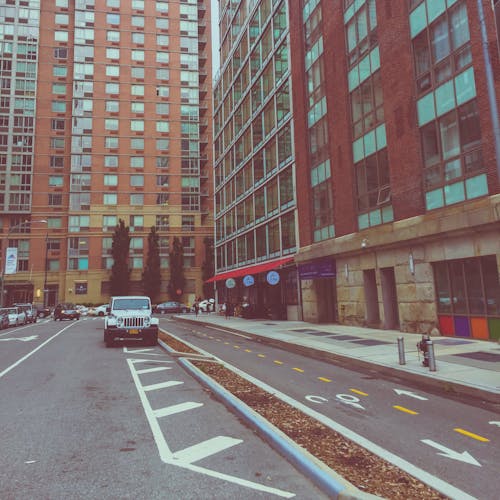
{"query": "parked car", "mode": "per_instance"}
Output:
(171, 307)
(99, 310)
(66, 310)
(83, 310)
(42, 311)
(4, 318)
(16, 316)
(207, 305)
(29, 310)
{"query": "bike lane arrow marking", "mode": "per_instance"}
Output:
(454, 455)
(400, 392)
(22, 339)
(494, 423)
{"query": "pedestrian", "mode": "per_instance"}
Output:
(196, 306)
(227, 309)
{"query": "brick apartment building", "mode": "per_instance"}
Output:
(105, 114)
(393, 216)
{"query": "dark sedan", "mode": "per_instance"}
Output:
(171, 307)
(66, 311)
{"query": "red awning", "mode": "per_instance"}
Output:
(243, 271)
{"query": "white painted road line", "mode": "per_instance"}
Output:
(24, 358)
(206, 448)
(161, 385)
(166, 454)
(152, 370)
(172, 410)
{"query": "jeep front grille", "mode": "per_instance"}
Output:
(133, 322)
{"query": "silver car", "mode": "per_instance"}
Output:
(17, 316)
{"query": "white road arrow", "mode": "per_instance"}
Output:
(22, 339)
(494, 423)
(399, 392)
(455, 455)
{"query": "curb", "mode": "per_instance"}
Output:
(448, 386)
(322, 476)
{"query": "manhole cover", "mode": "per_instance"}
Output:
(370, 342)
(303, 330)
(490, 357)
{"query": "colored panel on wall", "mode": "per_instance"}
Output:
(479, 328)
(462, 326)
(494, 326)
(446, 325)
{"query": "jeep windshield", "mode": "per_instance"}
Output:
(124, 304)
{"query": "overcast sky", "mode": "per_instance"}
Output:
(215, 37)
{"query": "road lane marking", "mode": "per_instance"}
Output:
(472, 435)
(399, 392)
(166, 455)
(173, 409)
(324, 379)
(454, 455)
(161, 385)
(405, 410)
(24, 358)
(356, 391)
(248, 350)
(236, 346)
(278, 362)
(22, 339)
(298, 370)
(206, 448)
(230, 332)
(261, 355)
(152, 370)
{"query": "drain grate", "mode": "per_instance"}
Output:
(490, 357)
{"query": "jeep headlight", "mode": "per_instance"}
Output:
(119, 322)
(147, 321)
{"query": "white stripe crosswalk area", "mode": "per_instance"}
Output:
(139, 362)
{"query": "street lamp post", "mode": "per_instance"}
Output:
(3, 263)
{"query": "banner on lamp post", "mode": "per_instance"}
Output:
(11, 261)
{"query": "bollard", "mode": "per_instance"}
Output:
(401, 350)
(432, 358)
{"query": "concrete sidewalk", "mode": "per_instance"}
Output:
(464, 366)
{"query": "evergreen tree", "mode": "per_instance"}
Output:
(208, 267)
(176, 264)
(120, 272)
(151, 277)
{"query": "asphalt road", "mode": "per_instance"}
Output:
(81, 421)
(454, 440)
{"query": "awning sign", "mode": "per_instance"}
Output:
(11, 261)
(230, 283)
(324, 268)
(273, 278)
(248, 280)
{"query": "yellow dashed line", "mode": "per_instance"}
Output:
(278, 362)
(218, 340)
(261, 355)
(406, 410)
(472, 435)
(323, 379)
(361, 393)
(226, 343)
(210, 337)
(248, 350)
(236, 347)
(299, 370)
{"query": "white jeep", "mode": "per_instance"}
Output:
(130, 318)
